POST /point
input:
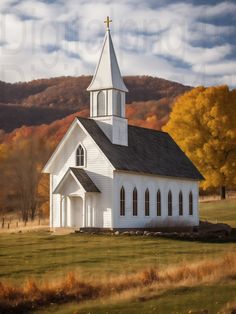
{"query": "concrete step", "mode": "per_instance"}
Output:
(63, 230)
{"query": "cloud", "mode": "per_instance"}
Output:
(187, 42)
(223, 68)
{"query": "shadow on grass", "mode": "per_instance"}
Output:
(211, 238)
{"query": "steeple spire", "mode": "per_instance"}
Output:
(107, 74)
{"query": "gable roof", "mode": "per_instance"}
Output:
(81, 177)
(148, 151)
(86, 182)
(107, 73)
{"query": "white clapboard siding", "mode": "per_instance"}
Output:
(153, 183)
(98, 168)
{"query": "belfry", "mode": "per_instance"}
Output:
(107, 94)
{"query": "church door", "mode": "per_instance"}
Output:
(76, 212)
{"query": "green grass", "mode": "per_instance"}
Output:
(180, 300)
(219, 211)
(40, 254)
(45, 256)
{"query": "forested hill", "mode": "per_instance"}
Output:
(45, 100)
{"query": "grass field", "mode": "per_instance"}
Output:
(44, 256)
(219, 211)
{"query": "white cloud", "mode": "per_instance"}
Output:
(145, 36)
(223, 68)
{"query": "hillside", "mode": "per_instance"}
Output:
(45, 100)
(14, 116)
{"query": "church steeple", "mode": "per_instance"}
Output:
(107, 74)
(107, 94)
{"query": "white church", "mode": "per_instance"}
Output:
(107, 174)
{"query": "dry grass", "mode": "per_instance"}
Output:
(32, 295)
(229, 308)
(13, 224)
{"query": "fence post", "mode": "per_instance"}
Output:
(17, 224)
(3, 221)
(8, 225)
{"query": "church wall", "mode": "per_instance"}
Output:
(153, 183)
(98, 168)
(55, 205)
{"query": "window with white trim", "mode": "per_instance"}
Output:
(135, 202)
(158, 203)
(191, 203)
(169, 203)
(101, 104)
(180, 203)
(122, 201)
(80, 156)
(147, 203)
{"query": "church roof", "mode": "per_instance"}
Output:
(107, 74)
(148, 151)
(84, 180)
(81, 176)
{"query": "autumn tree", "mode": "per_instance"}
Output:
(203, 123)
(3, 185)
(25, 155)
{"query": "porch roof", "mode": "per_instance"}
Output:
(81, 177)
(84, 180)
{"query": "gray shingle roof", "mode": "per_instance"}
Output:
(148, 151)
(84, 180)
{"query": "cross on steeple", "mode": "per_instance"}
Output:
(108, 21)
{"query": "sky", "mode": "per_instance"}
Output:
(191, 42)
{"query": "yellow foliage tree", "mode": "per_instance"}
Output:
(203, 123)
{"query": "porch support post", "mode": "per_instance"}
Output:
(51, 201)
(84, 211)
(60, 210)
(65, 210)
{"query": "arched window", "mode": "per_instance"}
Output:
(147, 205)
(180, 203)
(135, 202)
(158, 203)
(122, 201)
(169, 203)
(190, 203)
(80, 156)
(118, 104)
(101, 104)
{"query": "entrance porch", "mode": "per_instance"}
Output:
(78, 198)
(77, 211)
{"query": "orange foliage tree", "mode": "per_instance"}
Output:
(22, 171)
(203, 123)
(23, 154)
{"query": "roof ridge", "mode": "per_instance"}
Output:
(149, 129)
(129, 125)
